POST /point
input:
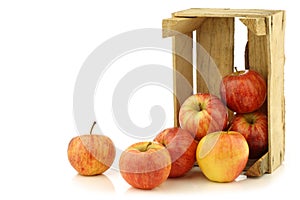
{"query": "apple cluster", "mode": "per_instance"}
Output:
(244, 92)
(220, 147)
(224, 147)
(144, 165)
(221, 155)
(171, 154)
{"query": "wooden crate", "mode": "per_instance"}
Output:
(264, 53)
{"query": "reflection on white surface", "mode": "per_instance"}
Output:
(194, 183)
(100, 183)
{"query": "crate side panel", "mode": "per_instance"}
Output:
(215, 40)
(276, 100)
(182, 71)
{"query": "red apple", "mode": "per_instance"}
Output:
(222, 156)
(182, 148)
(201, 114)
(243, 91)
(145, 165)
(254, 127)
(91, 154)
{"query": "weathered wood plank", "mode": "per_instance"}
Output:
(276, 99)
(260, 167)
(255, 25)
(224, 12)
(183, 71)
(258, 58)
(182, 25)
(215, 54)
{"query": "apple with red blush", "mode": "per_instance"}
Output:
(243, 91)
(91, 154)
(182, 148)
(254, 127)
(222, 155)
(203, 113)
(145, 165)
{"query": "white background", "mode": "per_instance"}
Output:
(42, 47)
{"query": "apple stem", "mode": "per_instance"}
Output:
(236, 69)
(200, 107)
(92, 127)
(229, 129)
(150, 143)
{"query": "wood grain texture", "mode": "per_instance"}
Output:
(258, 58)
(224, 12)
(255, 25)
(266, 56)
(182, 25)
(183, 71)
(259, 167)
(276, 99)
(215, 40)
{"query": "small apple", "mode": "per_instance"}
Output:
(222, 156)
(145, 165)
(203, 113)
(182, 148)
(91, 154)
(254, 127)
(243, 91)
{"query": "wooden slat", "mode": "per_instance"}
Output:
(182, 25)
(258, 58)
(260, 167)
(255, 25)
(224, 12)
(216, 37)
(183, 71)
(276, 102)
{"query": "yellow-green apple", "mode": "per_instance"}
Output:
(203, 113)
(91, 154)
(222, 155)
(254, 127)
(182, 148)
(243, 91)
(145, 165)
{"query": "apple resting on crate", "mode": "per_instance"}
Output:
(203, 113)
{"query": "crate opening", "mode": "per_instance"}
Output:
(240, 42)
